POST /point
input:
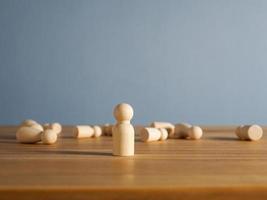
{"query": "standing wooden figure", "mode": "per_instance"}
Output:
(123, 131)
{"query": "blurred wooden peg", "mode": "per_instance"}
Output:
(168, 126)
(28, 134)
(54, 126)
(153, 134)
(107, 129)
(138, 129)
(31, 123)
(28, 122)
(188, 131)
(238, 132)
(49, 136)
(87, 131)
(181, 130)
(249, 132)
(83, 131)
(97, 131)
(37, 126)
(195, 133)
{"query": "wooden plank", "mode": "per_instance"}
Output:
(217, 166)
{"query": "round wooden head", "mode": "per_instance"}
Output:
(123, 112)
(254, 132)
(195, 133)
(28, 122)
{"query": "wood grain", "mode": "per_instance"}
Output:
(219, 166)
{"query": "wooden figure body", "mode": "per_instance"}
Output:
(123, 131)
(83, 131)
(238, 132)
(168, 126)
(97, 131)
(181, 130)
(28, 135)
(37, 126)
(187, 131)
(86, 131)
(55, 126)
(153, 134)
(28, 122)
(49, 136)
(249, 132)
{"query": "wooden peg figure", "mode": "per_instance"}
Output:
(249, 132)
(166, 125)
(187, 131)
(123, 131)
(153, 134)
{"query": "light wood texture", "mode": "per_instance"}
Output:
(49, 136)
(219, 166)
(123, 131)
(28, 122)
(46, 126)
(249, 132)
(32, 123)
(86, 131)
(55, 126)
(37, 126)
(97, 131)
(187, 131)
(26, 134)
(149, 134)
(181, 130)
(83, 131)
(168, 126)
(195, 133)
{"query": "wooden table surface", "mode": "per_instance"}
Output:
(218, 167)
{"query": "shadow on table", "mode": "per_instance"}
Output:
(67, 136)
(222, 138)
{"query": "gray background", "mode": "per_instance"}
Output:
(203, 62)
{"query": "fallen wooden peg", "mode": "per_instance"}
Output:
(187, 131)
(153, 134)
(168, 126)
(249, 132)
